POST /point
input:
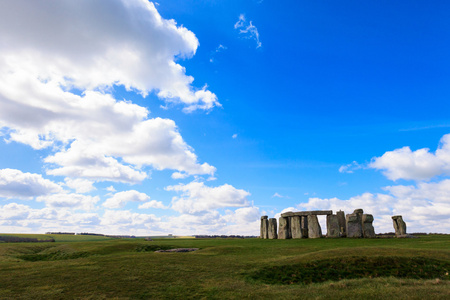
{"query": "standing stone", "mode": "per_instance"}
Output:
(368, 230)
(341, 220)
(305, 226)
(296, 227)
(332, 226)
(283, 229)
(399, 225)
(273, 228)
(314, 230)
(264, 227)
(354, 225)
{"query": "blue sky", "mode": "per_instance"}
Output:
(198, 117)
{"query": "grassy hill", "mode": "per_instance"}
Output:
(227, 268)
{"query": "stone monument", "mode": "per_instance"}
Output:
(314, 230)
(333, 226)
(399, 226)
(273, 228)
(264, 228)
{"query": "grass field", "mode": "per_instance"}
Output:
(80, 268)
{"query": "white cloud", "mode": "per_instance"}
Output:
(80, 185)
(119, 199)
(415, 165)
(95, 46)
(234, 136)
(16, 184)
(179, 175)
(425, 207)
(14, 211)
(92, 44)
(127, 222)
(247, 30)
(111, 189)
(152, 204)
(197, 197)
(74, 201)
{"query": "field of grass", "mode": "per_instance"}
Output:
(63, 237)
(227, 269)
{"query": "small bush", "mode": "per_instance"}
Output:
(153, 248)
(57, 255)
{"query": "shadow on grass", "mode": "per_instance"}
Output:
(57, 255)
(353, 268)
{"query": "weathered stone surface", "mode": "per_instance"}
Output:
(399, 225)
(273, 228)
(354, 226)
(304, 226)
(342, 226)
(314, 230)
(333, 226)
(296, 227)
(358, 211)
(307, 213)
(264, 228)
(368, 230)
(283, 228)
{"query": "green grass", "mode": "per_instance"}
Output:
(226, 269)
(354, 267)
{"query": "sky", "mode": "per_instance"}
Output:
(198, 117)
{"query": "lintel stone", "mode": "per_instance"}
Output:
(308, 213)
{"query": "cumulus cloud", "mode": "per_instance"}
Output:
(152, 204)
(247, 30)
(14, 211)
(127, 222)
(424, 207)
(56, 78)
(118, 200)
(179, 175)
(16, 184)
(197, 197)
(95, 44)
(64, 200)
(80, 185)
(421, 164)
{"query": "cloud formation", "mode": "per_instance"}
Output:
(16, 184)
(197, 197)
(96, 44)
(424, 207)
(247, 30)
(120, 199)
(415, 165)
(56, 78)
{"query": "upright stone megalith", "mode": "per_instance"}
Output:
(304, 226)
(264, 227)
(283, 228)
(273, 228)
(314, 230)
(399, 225)
(368, 230)
(354, 224)
(296, 227)
(342, 226)
(332, 226)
